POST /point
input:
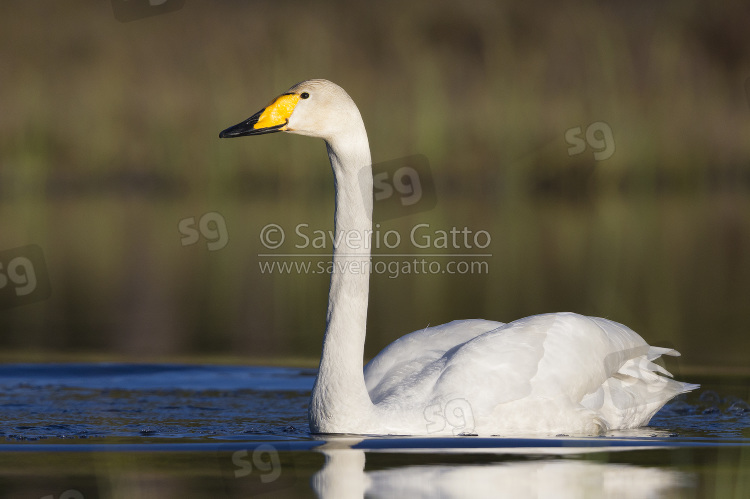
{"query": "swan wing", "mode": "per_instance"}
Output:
(412, 354)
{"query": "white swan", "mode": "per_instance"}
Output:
(552, 373)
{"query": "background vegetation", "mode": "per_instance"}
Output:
(109, 137)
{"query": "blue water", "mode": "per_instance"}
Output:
(127, 402)
(243, 431)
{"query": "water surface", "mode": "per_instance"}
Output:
(127, 430)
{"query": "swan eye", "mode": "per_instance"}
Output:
(304, 95)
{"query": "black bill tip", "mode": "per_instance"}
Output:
(247, 127)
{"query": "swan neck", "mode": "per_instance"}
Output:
(340, 397)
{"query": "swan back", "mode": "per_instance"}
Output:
(552, 373)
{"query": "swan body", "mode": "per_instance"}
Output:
(550, 373)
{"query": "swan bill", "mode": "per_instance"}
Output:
(272, 118)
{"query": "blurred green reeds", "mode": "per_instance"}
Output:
(109, 137)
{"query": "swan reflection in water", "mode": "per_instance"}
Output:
(343, 476)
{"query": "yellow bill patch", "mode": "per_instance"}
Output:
(277, 112)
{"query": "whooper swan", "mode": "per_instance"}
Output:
(551, 373)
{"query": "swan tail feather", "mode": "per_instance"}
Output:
(636, 392)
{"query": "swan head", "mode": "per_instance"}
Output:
(317, 108)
